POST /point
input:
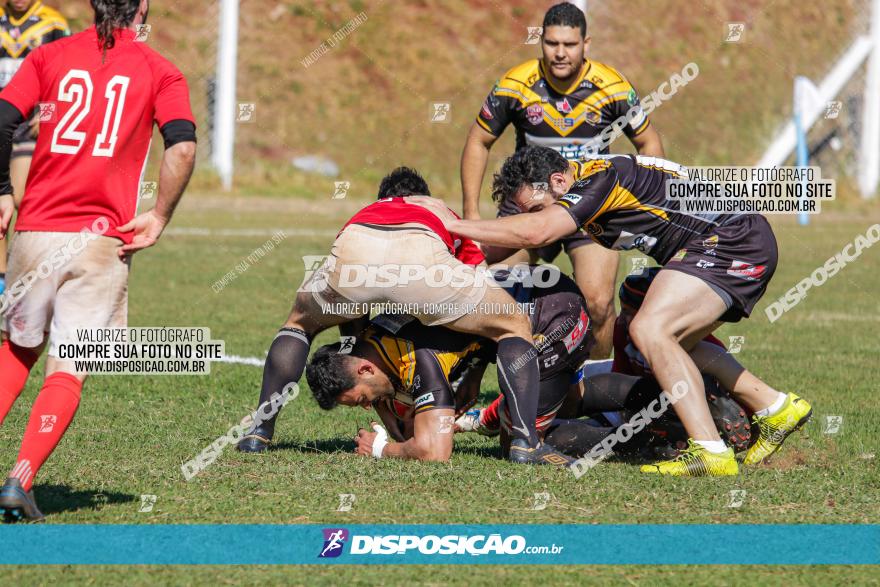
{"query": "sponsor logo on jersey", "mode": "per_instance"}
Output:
(578, 333)
(628, 241)
(711, 242)
(535, 113)
(423, 399)
(678, 257)
(571, 198)
(704, 264)
(563, 106)
(597, 80)
(746, 271)
(592, 117)
(632, 98)
(486, 111)
(334, 540)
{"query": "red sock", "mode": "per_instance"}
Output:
(15, 366)
(489, 416)
(51, 415)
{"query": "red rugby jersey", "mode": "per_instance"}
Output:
(389, 211)
(97, 113)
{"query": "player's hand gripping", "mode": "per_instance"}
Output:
(368, 444)
(435, 206)
(147, 228)
(7, 207)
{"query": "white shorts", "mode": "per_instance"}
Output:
(58, 282)
(447, 289)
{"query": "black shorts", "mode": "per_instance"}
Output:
(737, 260)
(549, 252)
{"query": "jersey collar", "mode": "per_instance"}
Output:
(585, 67)
(30, 12)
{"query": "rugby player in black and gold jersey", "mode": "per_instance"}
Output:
(715, 269)
(24, 26)
(565, 101)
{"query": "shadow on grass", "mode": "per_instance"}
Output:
(53, 499)
(325, 445)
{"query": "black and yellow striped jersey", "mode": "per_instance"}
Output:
(424, 360)
(569, 119)
(19, 36)
(620, 201)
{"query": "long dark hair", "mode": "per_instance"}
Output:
(111, 15)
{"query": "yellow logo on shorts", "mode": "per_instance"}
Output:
(556, 459)
(711, 242)
(678, 257)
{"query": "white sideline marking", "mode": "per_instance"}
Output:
(266, 232)
(235, 359)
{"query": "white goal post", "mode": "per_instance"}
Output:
(224, 114)
(866, 47)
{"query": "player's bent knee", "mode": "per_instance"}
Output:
(647, 331)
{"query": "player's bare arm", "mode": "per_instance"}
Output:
(177, 166)
(431, 440)
(649, 143)
(474, 159)
(522, 231)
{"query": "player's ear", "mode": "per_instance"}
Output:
(587, 40)
(365, 367)
(558, 182)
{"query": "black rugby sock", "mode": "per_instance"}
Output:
(575, 437)
(285, 364)
(612, 392)
(518, 378)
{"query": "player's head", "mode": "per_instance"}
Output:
(564, 41)
(345, 379)
(111, 15)
(634, 289)
(532, 178)
(403, 182)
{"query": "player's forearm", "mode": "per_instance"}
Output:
(649, 143)
(474, 159)
(413, 449)
(521, 231)
(177, 167)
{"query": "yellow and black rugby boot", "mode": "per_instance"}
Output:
(696, 461)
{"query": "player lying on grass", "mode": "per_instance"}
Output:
(405, 370)
(392, 234)
(84, 181)
(715, 269)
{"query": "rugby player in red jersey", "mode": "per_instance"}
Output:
(391, 234)
(715, 269)
(81, 203)
(24, 26)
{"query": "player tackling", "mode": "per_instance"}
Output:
(715, 269)
(81, 200)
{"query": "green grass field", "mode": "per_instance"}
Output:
(132, 433)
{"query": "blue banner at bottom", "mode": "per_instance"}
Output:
(441, 544)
